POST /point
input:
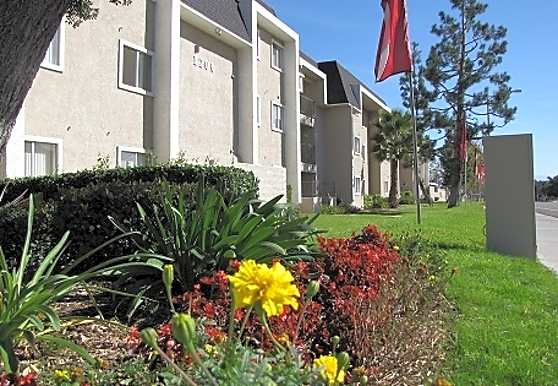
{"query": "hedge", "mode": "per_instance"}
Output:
(82, 202)
(229, 180)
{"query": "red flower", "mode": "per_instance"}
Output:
(165, 330)
(209, 311)
(27, 380)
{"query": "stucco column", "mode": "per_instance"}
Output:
(13, 161)
(167, 79)
(292, 120)
(247, 126)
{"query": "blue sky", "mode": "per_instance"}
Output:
(348, 31)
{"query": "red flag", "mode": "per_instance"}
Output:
(394, 51)
(463, 138)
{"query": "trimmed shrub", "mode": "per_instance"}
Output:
(407, 198)
(375, 201)
(229, 180)
(81, 203)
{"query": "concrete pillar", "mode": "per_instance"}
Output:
(167, 79)
(12, 163)
(510, 195)
(292, 119)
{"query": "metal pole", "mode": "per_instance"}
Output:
(415, 145)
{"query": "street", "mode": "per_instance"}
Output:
(548, 208)
(547, 233)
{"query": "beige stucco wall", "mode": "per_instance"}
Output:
(335, 155)
(207, 97)
(378, 172)
(270, 90)
(360, 167)
(83, 105)
(272, 180)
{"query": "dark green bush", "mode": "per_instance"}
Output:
(375, 202)
(83, 202)
(230, 181)
(407, 198)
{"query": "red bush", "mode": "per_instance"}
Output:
(351, 273)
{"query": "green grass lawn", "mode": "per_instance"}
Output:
(507, 329)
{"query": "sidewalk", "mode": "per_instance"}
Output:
(547, 240)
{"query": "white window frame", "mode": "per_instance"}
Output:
(259, 111)
(128, 149)
(357, 186)
(282, 109)
(281, 55)
(357, 149)
(52, 141)
(57, 67)
(121, 85)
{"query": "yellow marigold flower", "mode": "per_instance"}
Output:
(329, 369)
(211, 350)
(62, 375)
(272, 287)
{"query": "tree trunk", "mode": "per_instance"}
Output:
(394, 188)
(461, 123)
(425, 192)
(26, 29)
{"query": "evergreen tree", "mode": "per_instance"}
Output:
(26, 30)
(427, 121)
(461, 68)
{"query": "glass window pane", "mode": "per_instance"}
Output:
(140, 159)
(28, 159)
(145, 71)
(44, 159)
(128, 159)
(130, 67)
(52, 55)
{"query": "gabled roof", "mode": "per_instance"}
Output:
(267, 6)
(308, 58)
(226, 13)
(342, 85)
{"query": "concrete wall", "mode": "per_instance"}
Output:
(335, 157)
(270, 90)
(510, 195)
(378, 172)
(82, 105)
(359, 163)
(271, 180)
(208, 97)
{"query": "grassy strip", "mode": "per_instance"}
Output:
(507, 329)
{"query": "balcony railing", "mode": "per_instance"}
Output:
(307, 111)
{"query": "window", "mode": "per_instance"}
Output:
(277, 56)
(135, 69)
(54, 57)
(386, 186)
(41, 158)
(356, 146)
(357, 185)
(277, 117)
(129, 157)
(363, 152)
(259, 111)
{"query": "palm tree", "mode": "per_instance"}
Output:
(393, 141)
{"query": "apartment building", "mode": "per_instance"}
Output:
(207, 80)
(350, 169)
(407, 177)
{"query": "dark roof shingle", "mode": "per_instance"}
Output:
(225, 13)
(342, 85)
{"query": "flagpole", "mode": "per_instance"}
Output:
(412, 104)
